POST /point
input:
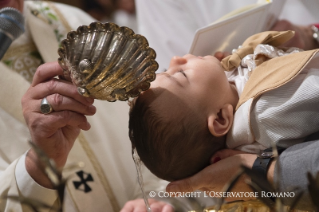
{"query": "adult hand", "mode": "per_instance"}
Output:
(303, 35)
(55, 132)
(215, 176)
(138, 205)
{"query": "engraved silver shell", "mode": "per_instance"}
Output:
(107, 62)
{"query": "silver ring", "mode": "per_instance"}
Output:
(45, 107)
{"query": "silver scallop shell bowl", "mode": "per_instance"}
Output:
(107, 62)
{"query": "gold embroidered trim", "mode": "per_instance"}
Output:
(23, 59)
(99, 171)
(14, 51)
(62, 18)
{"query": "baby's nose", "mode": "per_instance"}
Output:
(176, 60)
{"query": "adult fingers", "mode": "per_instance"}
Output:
(296, 41)
(215, 176)
(46, 71)
(167, 208)
(46, 127)
(189, 184)
(127, 208)
(136, 205)
(59, 102)
(58, 86)
(64, 118)
(282, 25)
(160, 206)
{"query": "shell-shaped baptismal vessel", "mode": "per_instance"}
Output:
(107, 62)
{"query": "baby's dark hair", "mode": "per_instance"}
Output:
(171, 149)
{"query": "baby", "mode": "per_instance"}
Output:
(183, 119)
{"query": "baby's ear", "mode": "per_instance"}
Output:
(220, 123)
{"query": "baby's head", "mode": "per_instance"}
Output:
(182, 120)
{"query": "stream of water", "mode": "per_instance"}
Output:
(138, 164)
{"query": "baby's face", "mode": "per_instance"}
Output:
(199, 82)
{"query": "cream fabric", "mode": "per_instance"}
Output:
(270, 37)
(274, 73)
(284, 114)
(105, 149)
(34, 191)
(240, 75)
(14, 133)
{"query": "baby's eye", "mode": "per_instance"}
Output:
(183, 73)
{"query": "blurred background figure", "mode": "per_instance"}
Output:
(170, 25)
(171, 34)
(121, 12)
(124, 15)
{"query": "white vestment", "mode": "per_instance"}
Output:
(105, 149)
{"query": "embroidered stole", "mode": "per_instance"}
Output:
(46, 23)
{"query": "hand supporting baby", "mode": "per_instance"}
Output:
(214, 177)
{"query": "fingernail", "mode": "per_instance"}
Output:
(85, 126)
(88, 125)
(92, 109)
(172, 188)
(216, 159)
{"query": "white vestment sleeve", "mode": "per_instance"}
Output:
(31, 189)
(9, 187)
